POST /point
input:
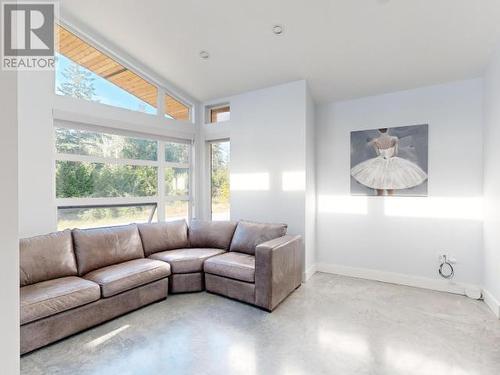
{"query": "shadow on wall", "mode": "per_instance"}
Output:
(459, 208)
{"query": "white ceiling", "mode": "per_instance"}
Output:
(344, 48)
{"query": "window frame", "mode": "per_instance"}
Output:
(163, 89)
(216, 107)
(160, 199)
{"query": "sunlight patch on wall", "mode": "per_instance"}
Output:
(343, 204)
(293, 181)
(463, 208)
(250, 181)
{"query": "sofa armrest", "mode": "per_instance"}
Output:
(278, 270)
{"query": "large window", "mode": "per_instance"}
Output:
(84, 72)
(108, 179)
(219, 179)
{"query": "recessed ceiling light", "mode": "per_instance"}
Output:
(278, 30)
(204, 55)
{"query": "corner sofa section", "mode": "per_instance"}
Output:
(263, 265)
(73, 280)
(186, 250)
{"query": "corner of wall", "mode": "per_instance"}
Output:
(310, 175)
(491, 183)
(492, 302)
(9, 256)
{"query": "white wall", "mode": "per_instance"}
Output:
(358, 232)
(37, 208)
(269, 129)
(310, 218)
(492, 184)
(9, 250)
(268, 140)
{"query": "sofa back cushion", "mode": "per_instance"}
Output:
(163, 236)
(46, 257)
(249, 234)
(211, 234)
(101, 247)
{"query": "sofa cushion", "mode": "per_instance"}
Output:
(211, 234)
(46, 257)
(250, 234)
(128, 275)
(50, 297)
(101, 247)
(186, 260)
(234, 265)
(163, 236)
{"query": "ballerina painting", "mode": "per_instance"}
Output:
(389, 161)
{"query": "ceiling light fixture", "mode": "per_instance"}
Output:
(204, 55)
(278, 30)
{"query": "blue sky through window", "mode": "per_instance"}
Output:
(105, 91)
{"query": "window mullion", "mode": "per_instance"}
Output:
(191, 183)
(161, 110)
(105, 160)
(175, 198)
(177, 165)
(64, 202)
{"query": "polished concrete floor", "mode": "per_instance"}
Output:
(331, 325)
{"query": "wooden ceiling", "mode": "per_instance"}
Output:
(97, 62)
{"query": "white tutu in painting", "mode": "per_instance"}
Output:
(388, 171)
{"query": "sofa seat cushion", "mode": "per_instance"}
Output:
(234, 265)
(128, 275)
(186, 260)
(50, 297)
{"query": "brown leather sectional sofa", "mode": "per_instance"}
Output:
(73, 280)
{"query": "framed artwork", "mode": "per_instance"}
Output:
(390, 161)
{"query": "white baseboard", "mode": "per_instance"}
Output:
(396, 278)
(492, 303)
(308, 273)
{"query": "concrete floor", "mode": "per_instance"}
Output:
(331, 325)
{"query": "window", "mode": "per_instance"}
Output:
(219, 114)
(107, 179)
(177, 180)
(84, 72)
(176, 210)
(176, 110)
(219, 180)
(78, 179)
